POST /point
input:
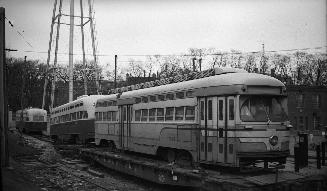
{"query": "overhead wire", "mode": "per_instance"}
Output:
(19, 33)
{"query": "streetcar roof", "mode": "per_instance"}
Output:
(85, 99)
(249, 79)
(33, 110)
(108, 97)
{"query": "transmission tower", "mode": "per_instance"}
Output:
(56, 20)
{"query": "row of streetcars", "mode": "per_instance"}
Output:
(31, 120)
(229, 117)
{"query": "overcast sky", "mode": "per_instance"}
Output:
(126, 27)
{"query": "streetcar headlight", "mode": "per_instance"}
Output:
(273, 140)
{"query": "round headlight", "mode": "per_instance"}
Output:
(273, 140)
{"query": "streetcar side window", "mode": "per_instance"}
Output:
(160, 114)
(144, 99)
(138, 115)
(96, 116)
(144, 116)
(179, 113)
(190, 113)
(153, 98)
(189, 94)
(85, 115)
(137, 100)
(152, 114)
(170, 96)
(180, 95)
(114, 116)
(105, 116)
(169, 114)
(161, 97)
(109, 113)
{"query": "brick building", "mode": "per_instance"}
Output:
(307, 108)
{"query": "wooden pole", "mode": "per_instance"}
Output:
(83, 49)
(71, 50)
(94, 48)
(3, 95)
(49, 51)
(53, 84)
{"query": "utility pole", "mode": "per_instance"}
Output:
(49, 51)
(53, 85)
(71, 49)
(115, 71)
(84, 21)
(83, 49)
(4, 161)
(94, 48)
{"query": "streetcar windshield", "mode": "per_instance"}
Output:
(259, 108)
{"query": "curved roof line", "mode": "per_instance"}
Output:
(249, 79)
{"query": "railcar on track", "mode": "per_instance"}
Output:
(230, 117)
(74, 121)
(31, 120)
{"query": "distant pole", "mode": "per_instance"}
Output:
(23, 86)
(49, 51)
(83, 49)
(71, 50)
(115, 71)
(200, 64)
(193, 63)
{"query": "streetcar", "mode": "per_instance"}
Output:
(74, 121)
(31, 120)
(229, 117)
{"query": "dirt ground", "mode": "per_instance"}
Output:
(14, 178)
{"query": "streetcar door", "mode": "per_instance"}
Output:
(230, 116)
(208, 124)
(221, 129)
(125, 125)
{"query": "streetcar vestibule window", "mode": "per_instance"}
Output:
(190, 113)
(144, 116)
(160, 114)
(263, 108)
(179, 113)
(152, 114)
(169, 113)
(109, 118)
(138, 115)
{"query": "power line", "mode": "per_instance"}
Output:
(163, 55)
(20, 34)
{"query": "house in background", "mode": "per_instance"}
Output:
(307, 109)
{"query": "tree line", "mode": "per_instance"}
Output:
(26, 79)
